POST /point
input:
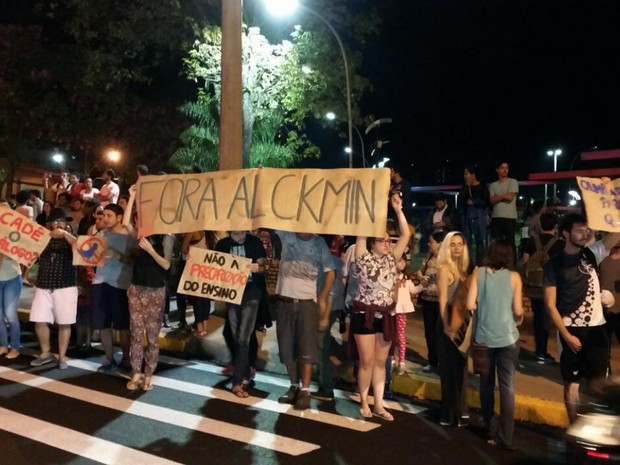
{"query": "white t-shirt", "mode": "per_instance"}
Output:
(110, 188)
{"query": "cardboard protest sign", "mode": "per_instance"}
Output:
(89, 251)
(21, 239)
(602, 202)
(340, 201)
(214, 275)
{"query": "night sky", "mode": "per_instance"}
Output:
(471, 81)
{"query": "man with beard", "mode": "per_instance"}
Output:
(573, 300)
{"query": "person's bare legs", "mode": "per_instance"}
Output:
(64, 334)
(571, 399)
(293, 373)
(107, 341)
(124, 338)
(43, 335)
(366, 350)
(381, 351)
(305, 369)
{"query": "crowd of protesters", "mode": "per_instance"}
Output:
(322, 279)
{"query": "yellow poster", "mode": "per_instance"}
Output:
(21, 239)
(215, 275)
(602, 202)
(340, 201)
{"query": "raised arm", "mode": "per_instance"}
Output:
(405, 234)
(129, 208)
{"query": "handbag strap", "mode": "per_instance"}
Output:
(476, 315)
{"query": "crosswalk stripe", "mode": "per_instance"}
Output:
(254, 402)
(98, 450)
(275, 381)
(163, 414)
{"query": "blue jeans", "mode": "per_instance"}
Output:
(242, 320)
(9, 294)
(504, 360)
(475, 228)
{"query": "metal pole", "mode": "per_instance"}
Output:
(555, 169)
(346, 72)
(359, 134)
(231, 113)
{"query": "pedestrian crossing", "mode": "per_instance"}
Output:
(181, 387)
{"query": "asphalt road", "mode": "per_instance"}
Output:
(77, 416)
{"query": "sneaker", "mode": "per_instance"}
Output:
(428, 368)
(62, 365)
(290, 396)
(303, 400)
(546, 359)
(327, 396)
(37, 362)
(108, 367)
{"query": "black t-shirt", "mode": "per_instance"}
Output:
(56, 270)
(251, 248)
(578, 290)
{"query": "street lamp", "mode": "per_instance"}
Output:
(331, 116)
(285, 8)
(114, 155)
(553, 153)
(58, 158)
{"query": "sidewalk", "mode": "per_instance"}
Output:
(539, 391)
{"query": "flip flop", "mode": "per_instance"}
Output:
(240, 392)
(384, 415)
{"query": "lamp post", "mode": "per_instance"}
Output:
(331, 116)
(286, 7)
(553, 153)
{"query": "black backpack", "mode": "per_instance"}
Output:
(533, 269)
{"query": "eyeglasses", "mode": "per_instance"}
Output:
(382, 241)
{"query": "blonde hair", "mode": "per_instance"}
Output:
(444, 257)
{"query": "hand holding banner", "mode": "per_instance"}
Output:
(601, 198)
(214, 275)
(21, 239)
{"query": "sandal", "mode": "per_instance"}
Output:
(148, 384)
(239, 391)
(365, 412)
(13, 353)
(384, 415)
(135, 383)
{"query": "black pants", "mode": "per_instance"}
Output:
(541, 326)
(505, 228)
(430, 314)
(453, 376)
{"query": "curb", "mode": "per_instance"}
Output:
(531, 409)
(419, 386)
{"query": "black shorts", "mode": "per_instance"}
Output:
(109, 307)
(592, 360)
(357, 324)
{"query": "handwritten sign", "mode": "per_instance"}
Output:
(21, 239)
(341, 201)
(89, 251)
(602, 201)
(214, 275)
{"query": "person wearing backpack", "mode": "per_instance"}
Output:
(537, 251)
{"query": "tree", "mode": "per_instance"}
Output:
(278, 95)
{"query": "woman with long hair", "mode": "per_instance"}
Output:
(495, 295)
(44, 215)
(453, 262)
(430, 298)
(146, 295)
(373, 322)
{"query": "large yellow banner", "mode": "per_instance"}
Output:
(340, 201)
(602, 202)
